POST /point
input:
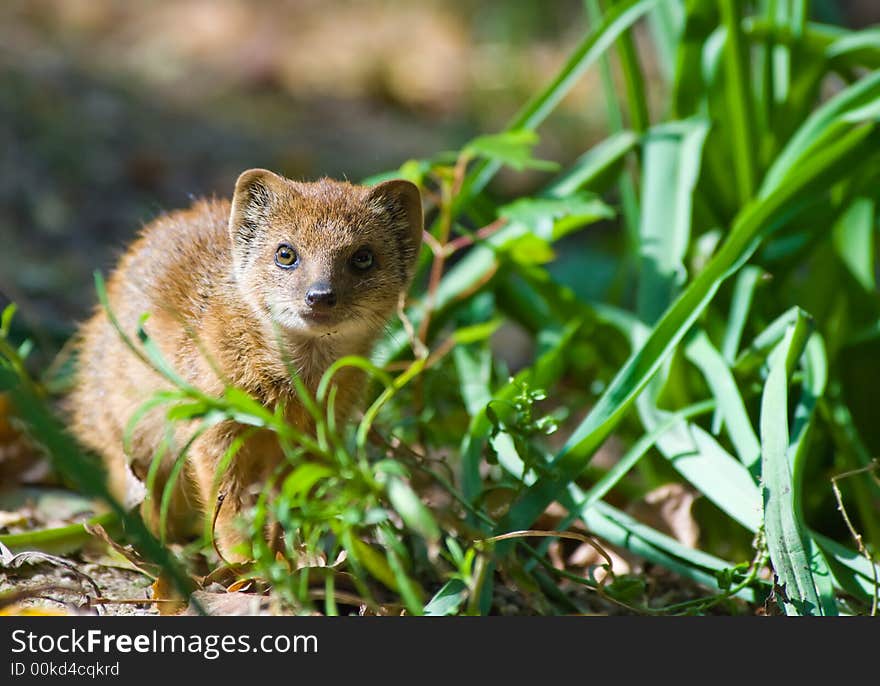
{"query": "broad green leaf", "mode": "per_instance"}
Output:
(672, 154)
(470, 272)
(786, 543)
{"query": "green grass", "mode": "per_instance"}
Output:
(736, 348)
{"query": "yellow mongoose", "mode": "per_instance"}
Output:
(287, 274)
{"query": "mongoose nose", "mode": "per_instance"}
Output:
(320, 295)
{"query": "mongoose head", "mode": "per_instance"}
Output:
(324, 258)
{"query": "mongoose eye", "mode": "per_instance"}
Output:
(286, 257)
(362, 259)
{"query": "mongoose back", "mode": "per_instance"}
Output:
(286, 275)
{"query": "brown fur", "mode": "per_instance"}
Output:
(221, 312)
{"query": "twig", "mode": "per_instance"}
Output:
(419, 348)
(857, 537)
(482, 234)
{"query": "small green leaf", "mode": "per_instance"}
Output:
(447, 600)
(375, 563)
(530, 249)
(513, 148)
(476, 332)
(249, 410)
(542, 215)
(185, 411)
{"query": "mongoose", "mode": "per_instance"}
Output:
(286, 275)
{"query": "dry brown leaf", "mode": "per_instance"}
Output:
(127, 552)
(163, 589)
(668, 509)
(240, 585)
(586, 556)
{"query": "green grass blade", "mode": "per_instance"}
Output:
(743, 292)
(815, 379)
(785, 538)
(864, 92)
(853, 240)
(739, 102)
(689, 88)
(862, 576)
(626, 181)
(713, 471)
(593, 164)
(714, 368)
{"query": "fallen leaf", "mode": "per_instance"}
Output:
(240, 585)
(586, 556)
(668, 509)
(126, 552)
(162, 589)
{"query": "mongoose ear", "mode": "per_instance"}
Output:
(255, 192)
(402, 200)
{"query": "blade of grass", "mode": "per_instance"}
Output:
(853, 240)
(712, 365)
(739, 102)
(785, 537)
(740, 304)
(815, 379)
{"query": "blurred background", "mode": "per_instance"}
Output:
(112, 111)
